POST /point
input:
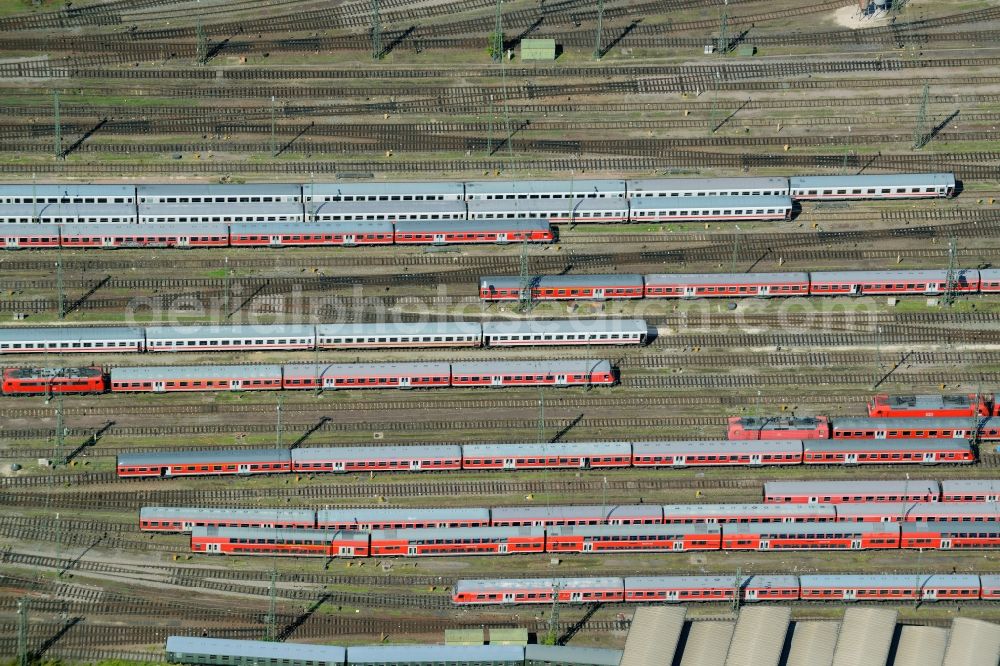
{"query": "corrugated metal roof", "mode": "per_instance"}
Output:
(612, 281)
(970, 486)
(884, 180)
(554, 207)
(581, 366)
(708, 203)
(194, 457)
(203, 513)
(865, 637)
(413, 369)
(143, 230)
(653, 635)
(759, 636)
(67, 210)
(534, 326)
(400, 328)
(217, 331)
(639, 187)
(563, 654)
(452, 226)
(819, 488)
(221, 208)
(920, 646)
(66, 189)
(707, 644)
(382, 188)
(890, 580)
(382, 452)
(196, 372)
(328, 654)
(773, 510)
(596, 512)
(848, 277)
(884, 445)
(973, 643)
(449, 654)
(393, 208)
(474, 585)
(662, 279)
(37, 334)
(550, 450)
(699, 447)
(360, 515)
(313, 228)
(563, 188)
(812, 643)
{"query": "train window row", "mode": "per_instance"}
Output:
(64, 345)
(390, 217)
(903, 434)
(371, 463)
(561, 336)
(870, 190)
(146, 219)
(65, 200)
(376, 197)
(686, 213)
(265, 198)
(409, 338)
(545, 195)
(224, 342)
(720, 193)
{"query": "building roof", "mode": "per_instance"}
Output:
(401, 328)
(563, 654)
(812, 643)
(473, 585)
(774, 510)
(360, 515)
(921, 646)
(392, 208)
(609, 512)
(697, 447)
(194, 457)
(546, 450)
(561, 281)
(972, 643)
(890, 276)
(645, 185)
(884, 445)
(37, 334)
(327, 654)
(865, 637)
(759, 636)
(532, 326)
(709, 203)
(851, 581)
(453, 226)
(430, 654)
(726, 278)
(556, 207)
(196, 372)
(970, 486)
(577, 188)
(400, 188)
(221, 208)
(319, 454)
(407, 368)
(820, 488)
(216, 189)
(581, 366)
(883, 180)
(144, 230)
(204, 513)
(42, 210)
(312, 228)
(653, 636)
(707, 643)
(217, 331)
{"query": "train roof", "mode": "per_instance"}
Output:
(412, 368)
(200, 513)
(904, 423)
(706, 184)
(379, 655)
(196, 332)
(472, 585)
(696, 582)
(37, 334)
(893, 276)
(707, 203)
(727, 278)
(263, 650)
(609, 512)
(402, 328)
(889, 580)
(778, 510)
(565, 654)
(624, 530)
(925, 401)
(399, 188)
(194, 457)
(952, 527)
(878, 180)
(67, 209)
(278, 533)
(989, 273)
(380, 453)
(527, 326)
(885, 445)
(222, 208)
(546, 450)
(612, 280)
(580, 366)
(65, 189)
(718, 446)
(196, 372)
(578, 188)
(215, 189)
(885, 487)
(557, 207)
(430, 226)
(144, 230)
(27, 372)
(840, 527)
(434, 533)
(916, 509)
(312, 228)
(970, 486)
(38, 229)
(384, 207)
(362, 515)
(779, 422)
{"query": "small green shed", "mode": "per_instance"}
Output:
(464, 636)
(538, 49)
(508, 636)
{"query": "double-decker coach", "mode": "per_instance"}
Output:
(216, 213)
(229, 193)
(458, 541)
(519, 190)
(951, 535)
(386, 211)
(204, 463)
(556, 211)
(66, 193)
(402, 192)
(397, 519)
(291, 543)
(624, 538)
(748, 513)
(808, 536)
(67, 213)
(546, 516)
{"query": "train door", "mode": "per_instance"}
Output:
(405, 382)
(680, 461)
(690, 292)
(509, 463)
(930, 457)
(932, 288)
(274, 240)
(338, 465)
(213, 547)
(496, 380)
(945, 544)
(764, 545)
(576, 596)
(350, 239)
(243, 469)
(755, 459)
(670, 595)
(508, 597)
(439, 239)
(187, 525)
(561, 380)
(855, 544)
(345, 551)
(813, 500)
(588, 546)
(158, 387)
(961, 434)
(677, 545)
(107, 241)
(584, 462)
(598, 292)
(415, 465)
(411, 550)
(929, 593)
(10, 242)
(880, 434)
(850, 458)
(502, 548)
(763, 290)
(235, 384)
(850, 595)
(751, 595)
(502, 237)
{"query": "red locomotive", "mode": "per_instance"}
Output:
(46, 381)
(917, 406)
(749, 427)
